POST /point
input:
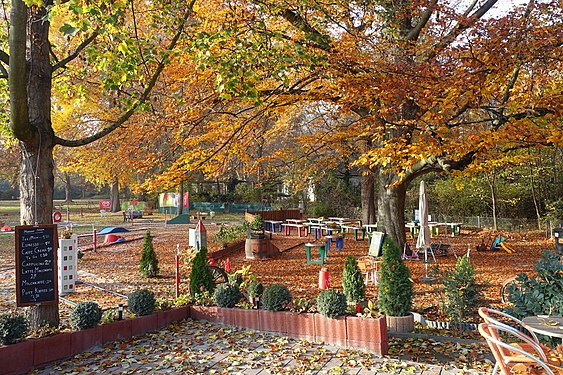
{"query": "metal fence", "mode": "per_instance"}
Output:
(486, 222)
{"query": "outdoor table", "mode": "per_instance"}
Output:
(322, 253)
(301, 229)
(545, 325)
(370, 227)
(338, 241)
(456, 228)
(413, 228)
(271, 225)
(294, 221)
(357, 230)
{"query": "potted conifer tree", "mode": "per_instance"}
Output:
(395, 292)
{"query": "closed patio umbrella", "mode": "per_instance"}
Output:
(423, 240)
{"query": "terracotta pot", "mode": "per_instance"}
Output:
(400, 323)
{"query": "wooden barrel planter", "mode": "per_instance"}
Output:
(258, 248)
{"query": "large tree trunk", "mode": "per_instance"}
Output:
(391, 208)
(114, 195)
(181, 192)
(30, 97)
(68, 188)
(367, 197)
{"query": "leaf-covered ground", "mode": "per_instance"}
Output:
(115, 268)
(193, 347)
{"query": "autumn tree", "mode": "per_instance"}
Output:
(396, 89)
(96, 48)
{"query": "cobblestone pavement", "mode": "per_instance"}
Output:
(194, 347)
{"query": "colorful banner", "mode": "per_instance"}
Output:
(105, 204)
(137, 205)
(168, 200)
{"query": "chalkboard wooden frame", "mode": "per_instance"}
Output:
(33, 256)
(376, 244)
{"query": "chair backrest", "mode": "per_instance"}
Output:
(366, 263)
(492, 316)
(517, 360)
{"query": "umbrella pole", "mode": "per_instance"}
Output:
(426, 277)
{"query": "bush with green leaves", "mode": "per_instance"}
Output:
(85, 315)
(540, 295)
(255, 289)
(201, 278)
(276, 297)
(141, 302)
(12, 328)
(149, 263)
(461, 291)
(227, 295)
(230, 233)
(331, 303)
(353, 281)
(395, 288)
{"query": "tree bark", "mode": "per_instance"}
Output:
(68, 188)
(114, 195)
(181, 192)
(391, 207)
(367, 196)
(491, 181)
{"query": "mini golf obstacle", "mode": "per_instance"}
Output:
(180, 219)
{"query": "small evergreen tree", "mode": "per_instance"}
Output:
(461, 290)
(395, 292)
(201, 278)
(352, 281)
(149, 263)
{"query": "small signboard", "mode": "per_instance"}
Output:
(36, 264)
(376, 244)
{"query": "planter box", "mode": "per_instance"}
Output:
(329, 330)
(274, 321)
(51, 348)
(143, 324)
(17, 358)
(83, 340)
(27, 355)
(117, 330)
(226, 315)
(400, 323)
(301, 326)
(208, 313)
(367, 333)
(248, 318)
(167, 317)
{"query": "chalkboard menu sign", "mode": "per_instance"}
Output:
(36, 264)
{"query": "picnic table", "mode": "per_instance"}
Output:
(298, 224)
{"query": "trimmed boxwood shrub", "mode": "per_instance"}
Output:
(141, 302)
(255, 288)
(276, 297)
(331, 303)
(227, 295)
(85, 315)
(12, 328)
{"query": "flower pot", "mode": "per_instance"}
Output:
(400, 324)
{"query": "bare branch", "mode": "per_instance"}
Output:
(81, 46)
